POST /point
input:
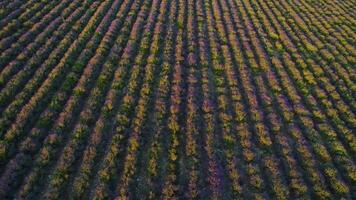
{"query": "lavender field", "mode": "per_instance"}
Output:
(178, 99)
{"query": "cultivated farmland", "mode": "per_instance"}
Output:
(177, 99)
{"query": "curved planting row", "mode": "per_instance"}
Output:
(177, 99)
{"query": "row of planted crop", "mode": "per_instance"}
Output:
(314, 81)
(34, 76)
(25, 145)
(24, 17)
(298, 187)
(325, 73)
(54, 105)
(224, 116)
(282, 76)
(154, 155)
(80, 183)
(11, 11)
(9, 7)
(172, 170)
(137, 83)
(223, 104)
(85, 171)
(337, 18)
(18, 72)
(86, 116)
(144, 102)
(295, 71)
(314, 67)
(193, 154)
(69, 80)
(242, 110)
(342, 77)
(331, 135)
(55, 76)
(262, 125)
(343, 111)
(324, 26)
(97, 89)
(43, 43)
(12, 45)
(228, 102)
